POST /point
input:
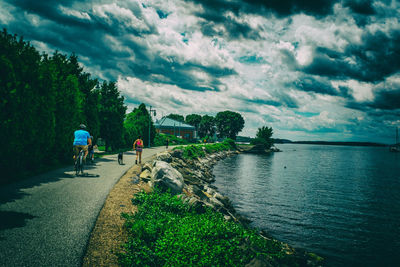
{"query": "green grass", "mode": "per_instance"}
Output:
(168, 232)
(197, 151)
(160, 139)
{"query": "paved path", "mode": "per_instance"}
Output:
(47, 220)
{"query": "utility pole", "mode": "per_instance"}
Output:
(151, 111)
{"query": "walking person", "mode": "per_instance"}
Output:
(138, 144)
(166, 143)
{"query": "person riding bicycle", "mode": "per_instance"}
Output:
(91, 149)
(81, 141)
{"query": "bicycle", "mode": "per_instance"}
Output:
(79, 162)
(91, 156)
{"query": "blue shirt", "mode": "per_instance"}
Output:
(81, 137)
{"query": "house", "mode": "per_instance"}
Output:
(169, 126)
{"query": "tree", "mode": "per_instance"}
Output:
(20, 103)
(176, 117)
(112, 114)
(229, 124)
(43, 99)
(264, 137)
(194, 120)
(206, 126)
(137, 124)
(91, 93)
(69, 103)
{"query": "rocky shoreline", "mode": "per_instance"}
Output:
(191, 180)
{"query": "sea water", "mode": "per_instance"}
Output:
(340, 202)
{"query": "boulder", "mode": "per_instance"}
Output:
(216, 202)
(275, 149)
(147, 166)
(259, 261)
(177, 153)
(166, 177)
(164, 156)
(145, 175)
(257, 149)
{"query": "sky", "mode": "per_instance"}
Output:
(311, 70)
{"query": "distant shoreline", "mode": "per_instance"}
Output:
(330, 143)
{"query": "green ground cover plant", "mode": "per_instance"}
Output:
(160, 139)
(198, 151)
(166, 231)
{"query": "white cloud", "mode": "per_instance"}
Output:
(138, 34)
(74, 13)
(125, 17)
(6, 10)
(361, 91)
(304, 55)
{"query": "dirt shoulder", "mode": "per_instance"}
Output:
(109, 233)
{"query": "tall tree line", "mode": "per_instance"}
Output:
(139, 123)
(224, 124)
(43, 99)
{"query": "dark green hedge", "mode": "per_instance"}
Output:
(43, 100)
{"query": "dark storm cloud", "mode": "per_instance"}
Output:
(279, 99)
(320, 86)
(214, 13)
(87, 39)
(170, 71)
(363, 7)
(372, 61)
(281, 8)
(287, 100)
(376, 123)
(385, 101)
(233, 29)
(49, 10)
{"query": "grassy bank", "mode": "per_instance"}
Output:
(199, 151)
(166, 231)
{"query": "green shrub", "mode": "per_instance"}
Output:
(198, 151)
(230, 142)
(168, 232)
(160, 139)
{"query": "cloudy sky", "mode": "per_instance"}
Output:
(313, 70)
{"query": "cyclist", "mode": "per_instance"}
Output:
(81, 141)
(91, 149)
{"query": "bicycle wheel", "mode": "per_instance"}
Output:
(81, 162)
(77, 166)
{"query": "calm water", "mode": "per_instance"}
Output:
(340, 202)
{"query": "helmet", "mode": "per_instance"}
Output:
(82, 126)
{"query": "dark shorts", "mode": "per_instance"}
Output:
(139, 149)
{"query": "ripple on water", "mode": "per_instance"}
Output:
(340, 202)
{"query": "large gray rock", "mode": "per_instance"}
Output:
(177, 153)
(164, 156)
(145, 175)
(166, 177)
(147, 166)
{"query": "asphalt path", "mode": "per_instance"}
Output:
(47, 220)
